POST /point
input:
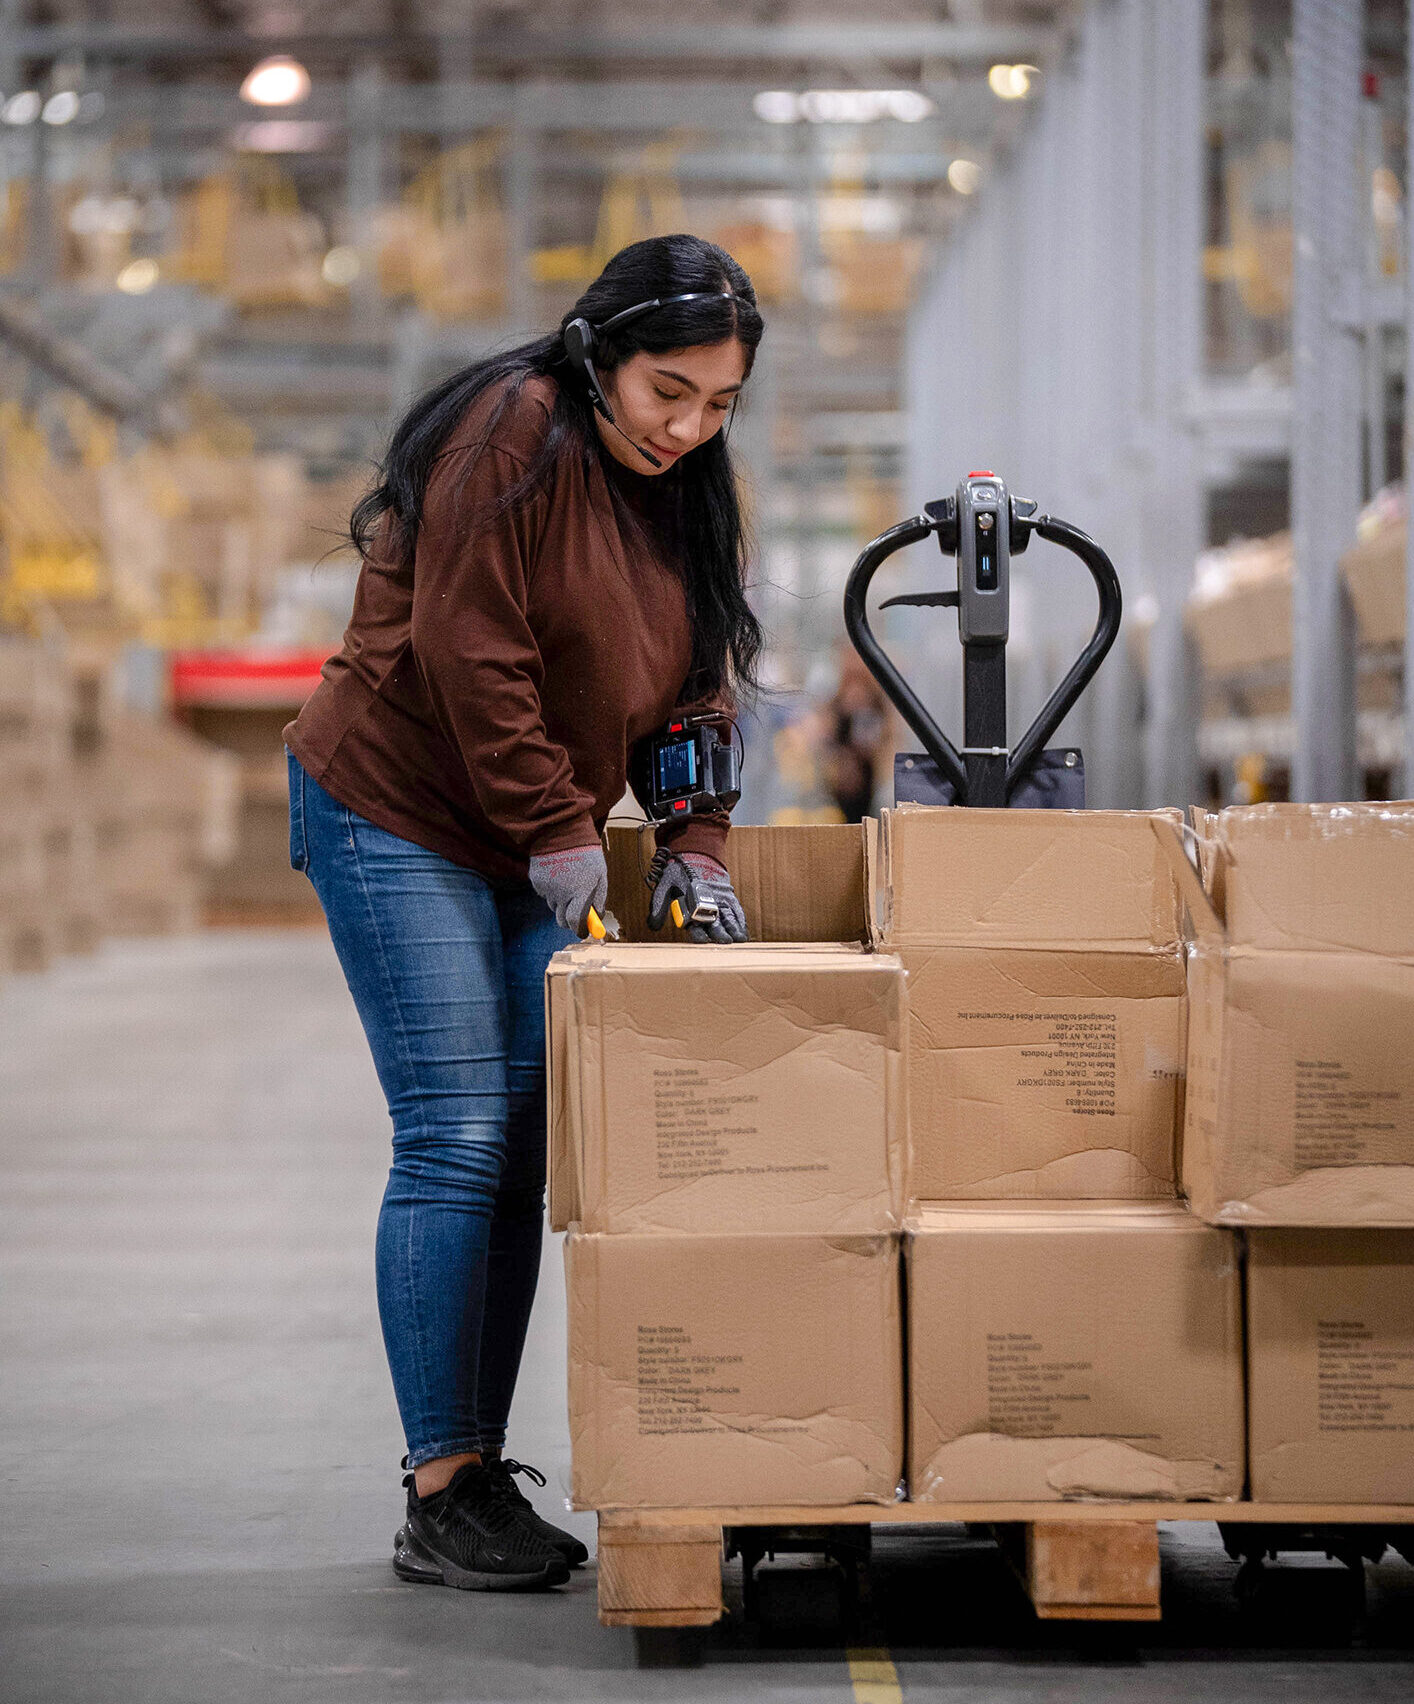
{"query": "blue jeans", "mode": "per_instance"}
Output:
(447, 972)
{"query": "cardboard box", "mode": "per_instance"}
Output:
(799, 883)
(1330, 1366)
(1300, 1096)
(708, 1371)
(743, 1088)
(1028, 879)
(1073, 1351)
(1374, 571)
(1043, 1074)
(1046, 999)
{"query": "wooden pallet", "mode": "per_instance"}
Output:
(1077, 1561)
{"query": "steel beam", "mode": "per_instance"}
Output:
(1174, 519)
(364, 188)
(1325, 459)
(67, 361)
(837, 45)
(454, 106)
(1408, 404)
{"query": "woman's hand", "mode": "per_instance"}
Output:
(570, 882)
(710, 880)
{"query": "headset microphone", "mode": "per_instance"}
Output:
(647, 455)
(579, 346)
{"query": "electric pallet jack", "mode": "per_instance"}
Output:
(984, 526)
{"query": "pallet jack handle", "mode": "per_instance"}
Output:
(940, 518)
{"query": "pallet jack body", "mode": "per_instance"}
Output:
(983, 526)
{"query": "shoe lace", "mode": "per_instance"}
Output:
(502, 1468)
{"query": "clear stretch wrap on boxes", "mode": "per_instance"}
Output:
(1046, 999)
(1078, 1350)
(1330, 1365)
(712, 1370)
(726, 1089)
(1300, 1104)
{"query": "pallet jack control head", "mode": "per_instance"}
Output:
(983, 526)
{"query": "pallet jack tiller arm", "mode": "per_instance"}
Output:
(970, 526)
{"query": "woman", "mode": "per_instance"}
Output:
(553, 565)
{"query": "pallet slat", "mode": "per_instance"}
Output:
(1077, 1561)
(1078, 1570)
(941, 1514)
(672, 1574)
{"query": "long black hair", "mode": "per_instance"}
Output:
(702, 508)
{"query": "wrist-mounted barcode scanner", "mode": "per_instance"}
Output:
(692, 766)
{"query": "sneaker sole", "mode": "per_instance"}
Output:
(419, 1567)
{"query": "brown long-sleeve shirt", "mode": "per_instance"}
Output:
(488, 693)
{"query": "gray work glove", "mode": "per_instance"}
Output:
(570, 882)
(687, 876)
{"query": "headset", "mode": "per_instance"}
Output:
(581, 341)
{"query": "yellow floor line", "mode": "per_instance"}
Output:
(874, 1677)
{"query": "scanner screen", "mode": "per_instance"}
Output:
(677, 768)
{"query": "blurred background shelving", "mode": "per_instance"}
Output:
(1042, 235)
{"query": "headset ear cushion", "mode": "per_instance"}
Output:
(578, 338)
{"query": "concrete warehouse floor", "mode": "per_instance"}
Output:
(200, 1447)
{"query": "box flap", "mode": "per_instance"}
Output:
(926, 1216)
(1202, 911)
(1320, 877)
(1028, 878)
(796, 883)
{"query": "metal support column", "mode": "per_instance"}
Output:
(1325, 450)
(1408, 396)
(364, 186)
(1174, 518)
(521, 169)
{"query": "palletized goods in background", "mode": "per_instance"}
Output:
(1300, 1103)
(163, 805)
(1072, 1350)
(113, 820)
(1046, 998)
(1330, 1351)
(746, 1088)
(750, 1369)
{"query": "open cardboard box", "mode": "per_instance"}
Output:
(1300, 1098)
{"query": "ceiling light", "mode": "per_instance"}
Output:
(22, 108)
(341, 265)
(62, 108)
(964, 176)
(283, 136)
(277, 81)
(909, 105)
(1011, 82)
(841, 106)
(776, 106)
(138, 277)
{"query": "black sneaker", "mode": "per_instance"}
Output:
(469, 1536)
(501, 1469)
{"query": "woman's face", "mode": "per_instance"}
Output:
(671, 402)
